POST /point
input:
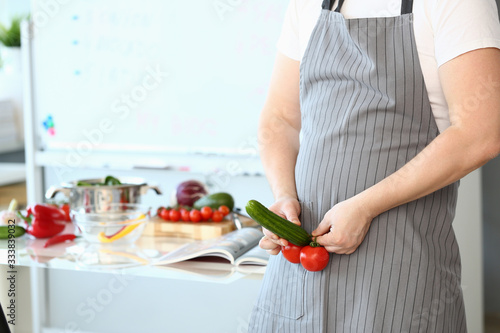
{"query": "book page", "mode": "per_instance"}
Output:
(229, 246)
(256, 256)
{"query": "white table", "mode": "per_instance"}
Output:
(66, 297)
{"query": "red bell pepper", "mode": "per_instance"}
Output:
(42, 226)
(48, 211)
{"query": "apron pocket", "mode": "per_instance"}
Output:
(282, 291)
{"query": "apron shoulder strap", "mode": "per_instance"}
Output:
(328, 5)
(406, 6)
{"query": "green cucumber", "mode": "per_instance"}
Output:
(277, 225)
(215, 200)
(14, 230)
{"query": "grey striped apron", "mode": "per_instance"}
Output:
(366, 113)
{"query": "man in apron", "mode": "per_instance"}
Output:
(372, 177)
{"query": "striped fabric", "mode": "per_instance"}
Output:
(365, 113)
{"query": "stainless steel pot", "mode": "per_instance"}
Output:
(100, 196)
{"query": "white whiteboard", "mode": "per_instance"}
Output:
(94, 63)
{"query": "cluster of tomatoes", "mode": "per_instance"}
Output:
(312, 257)
(188, 214)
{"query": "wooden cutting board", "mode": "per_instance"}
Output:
(202, 230)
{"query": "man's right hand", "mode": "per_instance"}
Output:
(288, 208)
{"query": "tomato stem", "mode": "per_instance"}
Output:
(314, 243)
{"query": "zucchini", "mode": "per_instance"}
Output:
(14, 230)
(215, 200)
(277, 225)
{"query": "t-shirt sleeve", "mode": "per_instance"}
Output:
(461, 26)
(288, 42)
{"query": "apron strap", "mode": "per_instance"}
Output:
(339, 6)
(406, 6)
(328, 4)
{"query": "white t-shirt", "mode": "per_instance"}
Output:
(444, 29)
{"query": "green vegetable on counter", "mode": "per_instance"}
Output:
(18, 231)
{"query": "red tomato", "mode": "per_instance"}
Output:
(165, 214)
(195, 215)
(206, 213)
(217, 216)
(184, 214)
(174, 215)
(291, 253)
(314, 258)
(224, 210)
(158, 211)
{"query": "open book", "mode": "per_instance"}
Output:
(240, 247)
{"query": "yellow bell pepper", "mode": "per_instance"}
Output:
(121, 233)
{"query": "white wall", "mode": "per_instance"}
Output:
(9, 8)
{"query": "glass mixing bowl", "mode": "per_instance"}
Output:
(114, 224)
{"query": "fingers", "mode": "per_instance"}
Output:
(269, 245)
(333, 247)
(275, 251)
(323, 228)
(292, 216)
(274, 238)
(339, 250)
(288, 209)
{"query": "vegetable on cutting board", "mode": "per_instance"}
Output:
(215, 200)
(188, 192)
(277, 225)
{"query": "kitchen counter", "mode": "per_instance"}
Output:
(67, 296)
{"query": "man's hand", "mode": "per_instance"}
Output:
(343, 228)
(288, 208)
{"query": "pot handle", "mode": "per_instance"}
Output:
(53, 190)
(145, 188)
